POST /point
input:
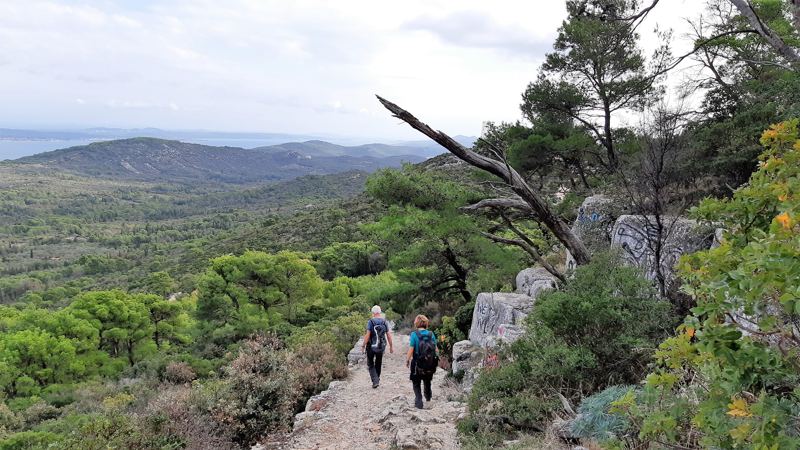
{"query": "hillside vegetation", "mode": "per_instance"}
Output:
(151, 159)
(142, 309)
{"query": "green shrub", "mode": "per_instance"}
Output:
(28, 440)
(600, 330)
(729, 378)
(259, 394)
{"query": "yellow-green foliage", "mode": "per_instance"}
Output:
(729, 378)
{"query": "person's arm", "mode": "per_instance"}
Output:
(366, 339)
(410, 353)
(389, 338)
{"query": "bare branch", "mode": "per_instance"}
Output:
(503, 203)
(538, 204)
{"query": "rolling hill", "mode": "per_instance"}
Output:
(151, 159)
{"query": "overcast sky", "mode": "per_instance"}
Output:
(300, 66)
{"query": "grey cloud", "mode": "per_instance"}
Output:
(477, 30)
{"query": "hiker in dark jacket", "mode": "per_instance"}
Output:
(375, 344)
(422, 359)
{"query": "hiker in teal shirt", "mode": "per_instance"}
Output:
(422, 359)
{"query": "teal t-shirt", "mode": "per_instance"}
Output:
(413, 341)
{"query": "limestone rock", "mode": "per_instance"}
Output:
(719, 235)
(355, 356)
(635, 235)
(317, 402)
(594, 224)
(305, 419)
(467, 359)
(533, 280)
(562, 428)
(508, 333)
(494, 313)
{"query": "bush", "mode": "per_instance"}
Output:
(729, 378)
(39, 412)
(315, 365)
(600, 330)
(179, 373)
(597, 421)
(259, 393)
(28, 440)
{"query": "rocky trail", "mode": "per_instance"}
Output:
(353, 415)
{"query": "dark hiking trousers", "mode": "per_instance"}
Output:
(374, 361)
(419, 381)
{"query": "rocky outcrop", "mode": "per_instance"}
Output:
(594, 224)
(636, 237)
(467, 361)
(496, 314)
(532, 281)
(420, 429)
(355, 355)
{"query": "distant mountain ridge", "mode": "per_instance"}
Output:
(153, 159)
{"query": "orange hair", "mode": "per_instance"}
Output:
(421, 321)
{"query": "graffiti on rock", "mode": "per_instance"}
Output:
(638, 243)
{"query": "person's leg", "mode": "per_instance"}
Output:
(378, 364)
(415, 381)
(373, 375)
(428, 393)
(417, 392)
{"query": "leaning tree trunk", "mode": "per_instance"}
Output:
(539, 205)
(769, 35)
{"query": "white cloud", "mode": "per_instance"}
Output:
(306, 66)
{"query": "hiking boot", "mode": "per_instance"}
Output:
(375, 385)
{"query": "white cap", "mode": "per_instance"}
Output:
(376, 309)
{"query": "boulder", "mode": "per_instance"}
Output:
(355, 355)
(594, 224)
(305, 419)
(467, 360)
(635, 236)
(497, 311)
(508, 333)
(719, 236)
(533, 280)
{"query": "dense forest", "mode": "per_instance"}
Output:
(161, 314)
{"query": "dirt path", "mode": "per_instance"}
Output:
(352, 415)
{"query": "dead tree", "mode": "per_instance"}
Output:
(773, 39)
(512, 178)
(653, 186)
(500, 206)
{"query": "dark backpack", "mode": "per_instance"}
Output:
(427, 359)
(377, 339)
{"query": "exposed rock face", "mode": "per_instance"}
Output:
(355, 355)
(636, 237)
(494, 315)
(467, 359)
(532, 281)
(594, 224)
